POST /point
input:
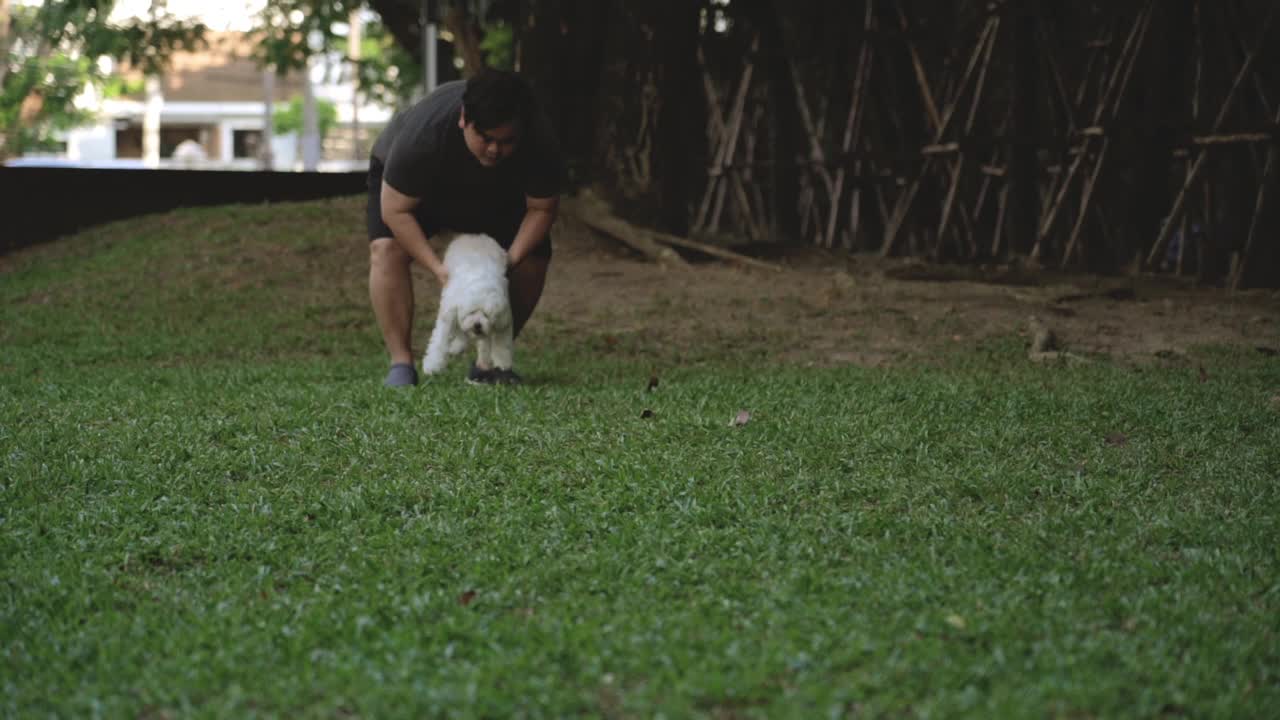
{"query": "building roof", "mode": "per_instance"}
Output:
(224, 71)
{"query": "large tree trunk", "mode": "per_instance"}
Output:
(466, 39)
(1162, 108)
(401, 19)
(617, 79)
(681, 115)
(560, 50)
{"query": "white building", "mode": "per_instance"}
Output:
(216, 98)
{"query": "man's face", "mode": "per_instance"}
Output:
(491, 146)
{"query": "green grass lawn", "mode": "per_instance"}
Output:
(208, 506)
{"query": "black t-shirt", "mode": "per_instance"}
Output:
(424, 156)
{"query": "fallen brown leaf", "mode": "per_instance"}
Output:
(1117, 439)
(465, 598)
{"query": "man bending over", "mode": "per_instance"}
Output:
(474, 156)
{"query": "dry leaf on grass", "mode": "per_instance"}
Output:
(742, 418)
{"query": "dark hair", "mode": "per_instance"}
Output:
(496, 97)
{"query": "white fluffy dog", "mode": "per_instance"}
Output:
(474, 307)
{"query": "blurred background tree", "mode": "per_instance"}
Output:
(289, 118)
(52, 52)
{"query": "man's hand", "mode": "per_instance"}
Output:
(539, 213)
(441, 273)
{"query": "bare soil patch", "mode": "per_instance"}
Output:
(828, 308)
(822, 309)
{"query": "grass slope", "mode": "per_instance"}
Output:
(209, 507)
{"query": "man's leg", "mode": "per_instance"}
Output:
(524, 284)
(391, 292)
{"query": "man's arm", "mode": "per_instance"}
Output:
(539, 213)
(397, 213)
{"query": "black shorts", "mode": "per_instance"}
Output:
(501, 229)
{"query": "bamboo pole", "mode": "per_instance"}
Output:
(1233, 138)
(922, 78)
(853, 124)
(715, 118)
(1119, 74)
(1255, 223)
(1198, 165)
(1002, 206)
(958, 171)
(1087, 192)
(1087, 195)
(713, 197)
(908, 197)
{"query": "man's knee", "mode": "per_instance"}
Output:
(386, 253)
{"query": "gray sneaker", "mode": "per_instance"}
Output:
(401, 375)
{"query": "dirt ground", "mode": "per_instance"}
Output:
(827, 308)
(822, 309)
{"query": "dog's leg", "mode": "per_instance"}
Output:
(501, 347)
(442, 337)
(484, 353)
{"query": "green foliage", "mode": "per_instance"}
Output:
(287, 28)
(498, 45)
(289, 118)
(388, 74)
(121, 86)
(210, 507)
(53, 53)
